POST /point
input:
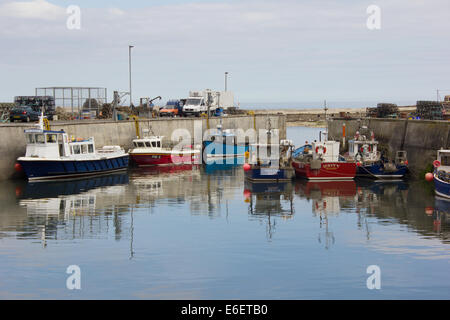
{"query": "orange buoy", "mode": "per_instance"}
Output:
(18, 167)
(428, 211)
(247, 167)
(247, 193)
(18, 191)
(429, 176)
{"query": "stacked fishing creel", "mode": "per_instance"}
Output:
(371, 112)
(387, 110)
(431, 110)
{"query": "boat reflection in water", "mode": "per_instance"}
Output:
(328, 199)
(441, 213)
(380, 197)
(215, 165)
(149, 184)
(271, 200)
(64, 197)
(327, 196)
(63, 205)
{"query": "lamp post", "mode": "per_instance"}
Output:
(226, 76)
(129, 71)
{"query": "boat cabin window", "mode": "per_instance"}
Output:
(39, 138)
(140, 144)
(445, 159)
(147, 144)
(83, 148)
(158, 144)
(30, 138)
(76, 149)
(51, 138)
(90, 148)
(153, 144)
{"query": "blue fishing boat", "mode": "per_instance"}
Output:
(270, 160)
(442, 174)
(372, 164)
(52, 155)
(223, 147)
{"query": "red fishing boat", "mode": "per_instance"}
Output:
(148, 151)
(321, 161)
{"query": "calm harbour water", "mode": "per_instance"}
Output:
(201, 233)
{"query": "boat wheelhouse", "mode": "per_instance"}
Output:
(52, 155)
(370, 162)
(442, 174)
(149, 151)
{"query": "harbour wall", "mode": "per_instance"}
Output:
(419, 138)
(108, 132)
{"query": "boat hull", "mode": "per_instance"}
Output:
(159, 159)
(261, 174)
(441, 188)
(327, 171)
(376, 171)
(67, 169)
(219, 152)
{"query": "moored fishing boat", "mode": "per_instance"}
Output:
(270, 161)
(52, 155)
(149, 151)
(223, 146)
(371, 164)
(441, 174)
(321, 161)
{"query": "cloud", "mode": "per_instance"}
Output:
(272, 48)
(36, 9)
(116, 12)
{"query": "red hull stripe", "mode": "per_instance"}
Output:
(158, 159)
(328, 171)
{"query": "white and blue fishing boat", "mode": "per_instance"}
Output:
(370, 162)
(52, 155)
(223, 147)
(270, 161)
(442, 174)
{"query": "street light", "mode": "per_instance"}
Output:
(129, 71)
(226, 76)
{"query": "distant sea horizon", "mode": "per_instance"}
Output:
(318, 104)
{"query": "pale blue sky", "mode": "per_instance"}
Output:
(275, 51)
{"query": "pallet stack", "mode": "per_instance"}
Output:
(430, 110)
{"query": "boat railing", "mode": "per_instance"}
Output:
(109, 149)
